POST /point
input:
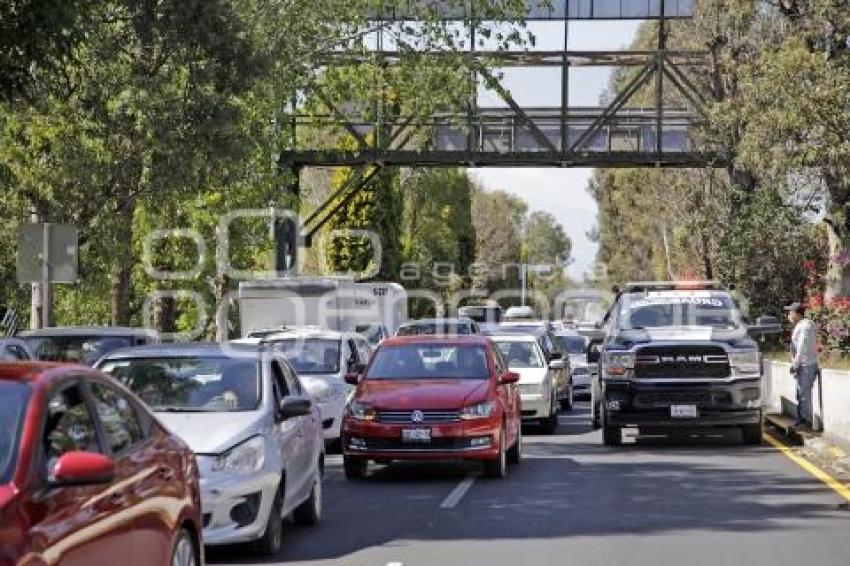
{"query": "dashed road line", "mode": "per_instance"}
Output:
(834, 484)
(458, 492)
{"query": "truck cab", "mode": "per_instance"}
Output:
(676, 357)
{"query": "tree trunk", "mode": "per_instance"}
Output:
(837, 219)
(165, 313)
(222, 285)
(121, 262)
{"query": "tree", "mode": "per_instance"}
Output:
(544, 240)
(498, 218)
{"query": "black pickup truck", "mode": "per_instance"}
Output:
(675, 357)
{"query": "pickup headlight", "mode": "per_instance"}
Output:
(745, 362)
(245, 458)
(361, 411)
(618, 364)
(479, 411)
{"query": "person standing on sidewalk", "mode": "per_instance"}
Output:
(804, 362)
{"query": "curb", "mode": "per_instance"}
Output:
(812, 445)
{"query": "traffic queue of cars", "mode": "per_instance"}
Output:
(173, 447)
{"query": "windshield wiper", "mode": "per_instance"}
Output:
(173, 409)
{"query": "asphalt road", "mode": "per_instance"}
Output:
(695, 501)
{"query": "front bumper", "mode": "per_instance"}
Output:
(535, 407)
(450, 441)
(718, 403)
(225, 496)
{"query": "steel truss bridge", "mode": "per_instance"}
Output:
(511, 135)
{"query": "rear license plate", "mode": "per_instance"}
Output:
(416, 435)
(683, 411)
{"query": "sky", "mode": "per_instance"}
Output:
(561, 192)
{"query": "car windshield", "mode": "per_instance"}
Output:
(75, 349)
(311, 355)
(671, 309)
(191, 384)
(372, 332)
(521, 354)
(430, 328)
(573, 344)
(429, 361)
(13, 402)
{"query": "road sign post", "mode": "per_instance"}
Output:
(47, 253)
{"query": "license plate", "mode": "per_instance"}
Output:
(416, 435)
(683, 411)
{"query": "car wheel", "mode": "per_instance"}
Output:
(753, 434)
(567, 404)
(310, 512)
(355, 468)
(515, 453)
(594, 416)
(611, 435)
(550, 423)
(269, 544)
(497, 468)
(185, 550)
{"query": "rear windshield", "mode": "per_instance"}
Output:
(573, 344)
(430, 328)
(75, 349)
(311, 355)
(429, 361)
(191, 384)
(521, 354)
(13, 402)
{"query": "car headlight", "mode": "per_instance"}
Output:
(745, 362)
(619, 364)
(361, 411)
(479, 411)
(245, 458)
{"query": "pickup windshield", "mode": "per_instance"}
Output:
(676, 309)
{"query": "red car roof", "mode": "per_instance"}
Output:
(469, 339)
(30, 371)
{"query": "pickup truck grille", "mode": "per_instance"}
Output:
(681, 362)
(428, 417)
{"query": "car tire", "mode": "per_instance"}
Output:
(567, 404)
(309, 513)
(269, 544)
(185, 551)
(611, 435)
(550, 423)
(515, 453)
(594, 417)
(497, 468)
(355, 468)
(753, 434)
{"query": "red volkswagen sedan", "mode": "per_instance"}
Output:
(88, 476)
(434, 398)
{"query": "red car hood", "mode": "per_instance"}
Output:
(426, 394)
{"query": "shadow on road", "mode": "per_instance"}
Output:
(565, 488)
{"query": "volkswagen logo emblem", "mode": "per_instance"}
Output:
(417, 416)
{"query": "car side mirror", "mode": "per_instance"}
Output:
(594, 352)
(557, 364)
(509, 377)
(356, 367)
(82, 468)
(292, 407)
(556, 356)
(352, 378)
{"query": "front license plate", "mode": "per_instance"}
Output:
(416, 435)
(683, 411)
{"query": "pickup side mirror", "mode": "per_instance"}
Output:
(292, 407)
(82, 468)
(557, 364)
(594, 351)
(509, 377)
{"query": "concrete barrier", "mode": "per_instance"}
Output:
(780, 396)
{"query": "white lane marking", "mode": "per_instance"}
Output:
(395, 563)
(458, 492)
